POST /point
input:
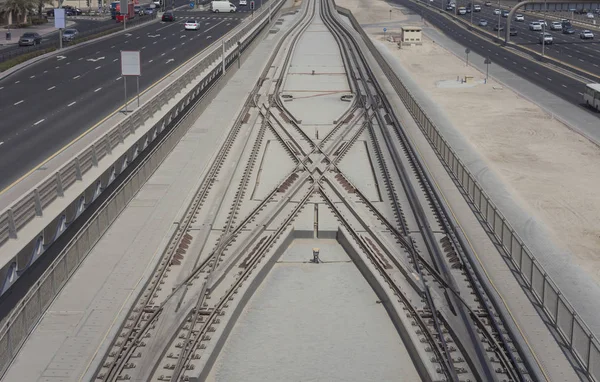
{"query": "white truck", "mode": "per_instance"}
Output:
(222, 6)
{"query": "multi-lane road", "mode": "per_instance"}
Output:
(583, 54)
(555, 82)
(48, 104)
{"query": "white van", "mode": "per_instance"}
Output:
(222, 6)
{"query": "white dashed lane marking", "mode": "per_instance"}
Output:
(72, 103)
(38, 122)
(16, 103)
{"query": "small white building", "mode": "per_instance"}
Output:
(411, 35)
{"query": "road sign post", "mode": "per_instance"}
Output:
(384, 30)
(487, 63)
(131, 66)
(59, 22)
(252, 8)
(467, 51)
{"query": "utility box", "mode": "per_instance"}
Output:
(411, 36)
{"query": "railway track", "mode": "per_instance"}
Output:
(229, 237)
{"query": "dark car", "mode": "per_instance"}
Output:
(168, 16)
(498, 27)
(505, 14)
(70, 34)
(28, 39)
(512, 31)
(568, 30)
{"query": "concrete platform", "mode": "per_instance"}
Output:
(314, 322)
(76, 330)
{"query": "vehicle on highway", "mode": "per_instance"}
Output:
(476, 8)
(70, 34)
(543, 23)
(592, 96)
(449, 7)
(483, 23)
(535, 26)
(497, 11)
(168, 16)
(566, 23)
(192, 25)
(149, 11)
(513, 31)
(520, 18)
(222, 6)
(590, 15)
(462, 11)
(488, 3)
(568, 30)
(30, 38)
(546, 38)
(243, 2)
(468, 9)
(556, 26)
(586, 35)
(498, 27)
(505, 14)
(139, 10)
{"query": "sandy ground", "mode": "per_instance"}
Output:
(552, 171)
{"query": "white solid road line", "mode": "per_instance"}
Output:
(52, 87)
(38, 122)
(97, 90)
(118, 78)
(98, 67)
(16, 103)
(72, 103)
(116, 59)
(76, 77)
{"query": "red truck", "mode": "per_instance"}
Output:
(130, 14)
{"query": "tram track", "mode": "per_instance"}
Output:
(178, 322)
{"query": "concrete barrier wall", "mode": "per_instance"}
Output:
(34, 221)
(23, 319)
(574, 333)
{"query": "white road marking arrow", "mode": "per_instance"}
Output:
(95, 59)
(182, 36)
(60, 58)
(170, 60)
(128, 34)
(153, 35)
(207, 37)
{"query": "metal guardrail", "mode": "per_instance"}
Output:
(25, 316)
(560, 314)
(53, 42)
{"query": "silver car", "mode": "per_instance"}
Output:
(70, 34)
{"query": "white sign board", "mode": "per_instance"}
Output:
(130, 63)
(59, 18)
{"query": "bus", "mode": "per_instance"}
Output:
(592, 96)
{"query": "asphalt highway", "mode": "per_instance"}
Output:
(48, 104)
(571, 49)
(559, 84)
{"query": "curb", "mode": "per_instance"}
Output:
(37, 59)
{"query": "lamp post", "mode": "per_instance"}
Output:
(467, 51)
(487, 63)
(544, 28)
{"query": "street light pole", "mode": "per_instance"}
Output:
(499, 14)
(544, 28)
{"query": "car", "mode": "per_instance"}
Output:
(520, 18)
(30, 38)
(468, 9)
(483, 23)
(192, 25)
(476, 8)
(543, 22)
(449, 8)
(556, 26)
(512, 31)
(149, 11)
(535, 26)
(568, 30)
(488, 3)
(498, 27)
(505, 14)
(590, 15)
(138, 10)
(462, 11)
(497, 11)
(69, 34)
(168, 16)
(546, 38)
(243, 2)
(586, 35)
